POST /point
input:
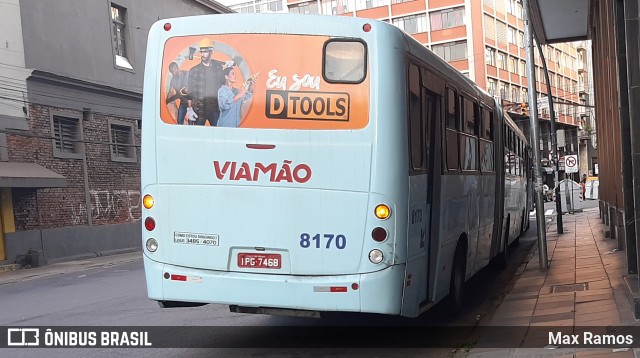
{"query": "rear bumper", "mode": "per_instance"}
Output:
(378, 292)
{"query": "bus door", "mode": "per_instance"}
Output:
(423, 106)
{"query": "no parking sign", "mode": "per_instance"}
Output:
(570, 163)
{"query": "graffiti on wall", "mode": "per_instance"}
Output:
(115, 204)
(108, 206)
(78, 214)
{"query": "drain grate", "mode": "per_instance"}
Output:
(570, 288)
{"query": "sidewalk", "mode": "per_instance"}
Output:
(583, 287)
(66, 267)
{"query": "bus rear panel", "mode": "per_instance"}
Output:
(275, 210)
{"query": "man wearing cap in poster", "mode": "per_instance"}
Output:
(205, 79)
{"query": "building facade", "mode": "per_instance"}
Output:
(485, 41)
(70, 111)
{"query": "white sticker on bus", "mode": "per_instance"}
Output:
(196, 239)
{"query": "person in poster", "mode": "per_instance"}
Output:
(230, 99)
(205, 79)
(178, 90)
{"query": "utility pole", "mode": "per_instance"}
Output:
(554, 141)
(535, 138)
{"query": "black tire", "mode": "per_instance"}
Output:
(455, 300)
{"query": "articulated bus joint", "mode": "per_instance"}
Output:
(177, 304)
(274, 311)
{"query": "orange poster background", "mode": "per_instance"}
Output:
(289, 55)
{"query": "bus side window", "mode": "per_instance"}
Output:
(487, 124)
(517, 141)
(416, 126)
(486, 141)
(468, 135)
(507, 151)
(430, 113)
(451, 131)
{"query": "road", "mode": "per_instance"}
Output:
(115, 295)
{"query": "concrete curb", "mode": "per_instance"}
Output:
(107, 259)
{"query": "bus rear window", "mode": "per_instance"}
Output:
(344, 61)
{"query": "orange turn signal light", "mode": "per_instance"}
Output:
(382, 212)
(148, 201)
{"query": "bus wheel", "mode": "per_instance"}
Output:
(455, 300)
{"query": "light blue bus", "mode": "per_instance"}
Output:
(321, 164)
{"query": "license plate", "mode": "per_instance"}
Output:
(265, 261)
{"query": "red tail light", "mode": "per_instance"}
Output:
(149, 224)
(379, 234)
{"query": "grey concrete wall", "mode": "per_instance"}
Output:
(73, 38)
(72, 243)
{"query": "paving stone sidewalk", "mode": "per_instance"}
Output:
(583, 287)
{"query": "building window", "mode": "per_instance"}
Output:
(523, 68)
(304, 8)
(520, 10)
(513, 64)
(121, 140)
(502, 61)
(452, 51)
(520, 39)
(504, 90)
(514, 7)
(512, 34)
(489, 27)
(118, 22)
(67, 134)
(490, 56)
(412, 24)
(501, 29)
(368, 4)
(446, 19)
(266, 6)
(515, 96)
(334, 7)
(491, 86)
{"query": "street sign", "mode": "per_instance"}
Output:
(560, 138)
(543, 102)
(571, 163)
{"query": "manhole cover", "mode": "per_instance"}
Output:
(570, 288)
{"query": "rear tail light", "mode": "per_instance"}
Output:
(379, 234)
(149, 224)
